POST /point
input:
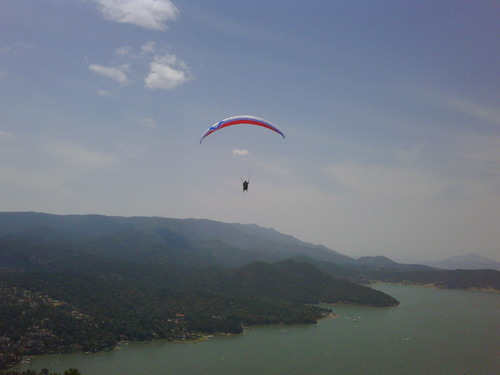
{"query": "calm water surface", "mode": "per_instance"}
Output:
(433, 331)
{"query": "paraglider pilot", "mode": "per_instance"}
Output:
(245, 185)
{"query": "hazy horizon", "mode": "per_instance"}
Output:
(390, 110)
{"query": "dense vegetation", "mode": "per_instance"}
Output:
(46, 312)
(89, 282)
(417, 275)
(57, 296)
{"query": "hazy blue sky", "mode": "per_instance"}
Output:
(390, 109)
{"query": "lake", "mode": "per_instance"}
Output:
(433, 331)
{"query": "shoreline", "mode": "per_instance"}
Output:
(332, 315)
(202, 338)
(434, 286)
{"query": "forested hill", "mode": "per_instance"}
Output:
(87, 282)
(201, 242)
(387, 272)
(186, 241)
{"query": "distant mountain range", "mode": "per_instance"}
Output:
(198, 242)
(193, 241)
(467, 262)
(384, 262)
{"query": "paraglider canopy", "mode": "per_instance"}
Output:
(241, 120)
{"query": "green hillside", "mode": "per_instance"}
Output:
(88, 282)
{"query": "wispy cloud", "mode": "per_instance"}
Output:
(474, 109)
(386, 182)
(167, 72)
(461, 104)
(48, 167)
(16, 47)
(149, 47)
(76, 157)
(6, 136)
(149, 122)
(146, 50)
(150, 14)
(124, 51)
(116, 73)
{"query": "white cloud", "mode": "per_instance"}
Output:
(167, 72)
(240, 152)
(150, 14)
(116, 73)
